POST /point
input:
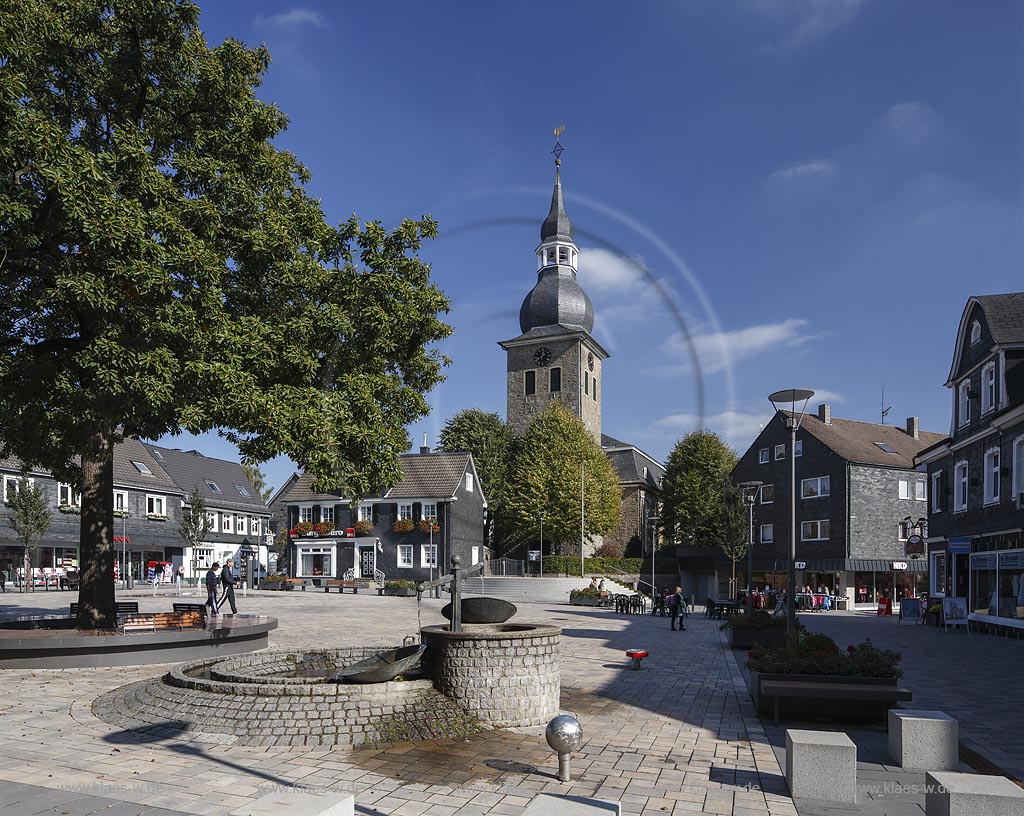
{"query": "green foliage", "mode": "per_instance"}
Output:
(165, 268)
(819, 654)
(304, 528)
(545, 479)
(403, 525)
(258, 480)
(757, 620)
(491, 441)
(699, 505)
(560, 564)
(194, 525)
(30, 518)
(586, 592)
(399, 584)
(364, 528)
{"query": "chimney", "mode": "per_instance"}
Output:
(425, 448)
(825, 413)
(914, 427)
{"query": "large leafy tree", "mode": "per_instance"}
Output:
(555, 453)
(695, 492)
(30, 519)
(165, 269)
(491, 441)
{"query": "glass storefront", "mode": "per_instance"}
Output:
(997, 584)
(315, 562)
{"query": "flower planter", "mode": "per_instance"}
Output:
(838, 710)
(400, 592)
(583, 600)
(747, 637)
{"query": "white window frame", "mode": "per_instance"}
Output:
(254, 526)
(122, 505)
(240, 525)
(933, 573)
(213, 486)
(425, 553)
(936, 502)
(1017, 460)
(988, 387)
(405, 511)
(242, 490)
(961, 486)
(798, 448)
(469, 482)
(822, 487)
(780, 451)
(763, 500)
(975, 332)
(991, 475)
(15, 480)
(213, 521)
(226, 523)
(818, 530)
(430, 510)
(319, 550)
(142, 468)
(65, 491)
(904, 490)
(365, 512)
(327, 513)
(405, 556)
(964, 403)
(764, 456)
(920, 490)
(306, 513)
(770, 537)
(475, 555)
(902, 530)
(156, 505)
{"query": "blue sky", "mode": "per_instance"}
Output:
(803, 193)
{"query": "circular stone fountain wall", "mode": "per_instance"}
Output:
(504, 674)
(283, 698)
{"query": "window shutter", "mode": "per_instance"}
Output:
(417, 511)
(342, 516)
(375, 513)
(316, 513)
(293, 515)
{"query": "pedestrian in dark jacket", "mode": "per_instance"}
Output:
(212, 579)
(677, 609)
(227, 579)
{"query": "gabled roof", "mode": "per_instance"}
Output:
(127, 475)
(1004, 317)
(191, 470)
(629, 463)
(424, 476)
(858, 442)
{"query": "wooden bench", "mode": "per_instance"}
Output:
(162, 620)
(190, 607)
(295, 582)
(341, 585)
(777, 689)
(120, 608)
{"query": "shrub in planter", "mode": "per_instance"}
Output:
(428, 525)
(402, 526)
(758, 628)
(400, 587)
(324, 527)
(585, 597)
(819, 654)
(364, 527)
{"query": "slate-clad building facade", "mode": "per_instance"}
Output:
(369, 540)
(976, 474)
(859, 499)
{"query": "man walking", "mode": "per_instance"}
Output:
(212, 578)
(677, 609)
(227, 578)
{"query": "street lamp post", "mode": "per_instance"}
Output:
(792, 420)
(750, 492)
(653, 521)
(541, 545)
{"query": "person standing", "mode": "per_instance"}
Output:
(227, 579)
(212, 579)
(179, 575)
(676, 609)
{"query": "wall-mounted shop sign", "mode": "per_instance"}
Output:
(800, 565)
(899, 565)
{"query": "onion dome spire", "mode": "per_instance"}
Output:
(557, 225)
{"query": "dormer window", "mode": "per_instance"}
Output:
(975, 332)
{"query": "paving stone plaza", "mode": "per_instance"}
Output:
(678, 736)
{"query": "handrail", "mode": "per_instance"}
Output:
(379, 577)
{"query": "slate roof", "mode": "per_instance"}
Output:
(629, 463)
(191, 470)
(424, 476)
(855, 441)
(1005, 316)
(556, 299)
(557, 226)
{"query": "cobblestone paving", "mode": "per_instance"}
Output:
(676, 737)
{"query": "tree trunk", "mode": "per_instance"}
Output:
(96, 551)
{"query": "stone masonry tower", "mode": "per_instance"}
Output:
(555, 357)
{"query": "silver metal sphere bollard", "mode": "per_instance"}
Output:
(565, 735)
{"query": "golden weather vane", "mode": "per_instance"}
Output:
(558, 145)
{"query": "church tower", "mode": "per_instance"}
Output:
(555, 357)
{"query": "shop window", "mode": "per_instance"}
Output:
(315, 561)
(763, 456)
(1010, 602)
(984, 584)
(405, 556)
(991, 474)
(938, 573)
(816, 488)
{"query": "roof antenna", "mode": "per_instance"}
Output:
(885, 408)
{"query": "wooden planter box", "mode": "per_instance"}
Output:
(747, 638)
(583, 600)
(837, 710)
(400, 592)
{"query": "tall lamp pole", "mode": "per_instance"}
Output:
(792, 420)
(541, 545)
(750, 491)
(653, 521)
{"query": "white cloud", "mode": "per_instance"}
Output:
(807, 21)
(293, 18)
(910, 122)
(808, 170)
(604, 270)
(716, 351)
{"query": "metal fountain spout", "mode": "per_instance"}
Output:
(456, 578)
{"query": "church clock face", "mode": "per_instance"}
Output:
(590, 360)
(542, 356)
